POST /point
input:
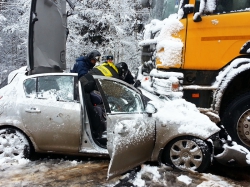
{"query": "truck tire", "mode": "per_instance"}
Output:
(188, 153)
(236, 120)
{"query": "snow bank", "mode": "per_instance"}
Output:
(151, 170)
(185, 179)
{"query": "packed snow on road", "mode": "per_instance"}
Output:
(67, 171)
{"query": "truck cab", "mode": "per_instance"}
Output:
(208, 42)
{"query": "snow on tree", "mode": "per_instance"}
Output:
(13, 32)
(108, 26)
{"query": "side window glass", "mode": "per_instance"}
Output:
(221, 6)
(225, 6)
(30, 87)
(60, 88)
(121, 98)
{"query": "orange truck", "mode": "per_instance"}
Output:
(211, 58)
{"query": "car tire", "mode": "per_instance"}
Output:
(188, 153)
(236, 120)
(13, 144)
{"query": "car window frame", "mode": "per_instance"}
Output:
(105, 101)
(75, 90)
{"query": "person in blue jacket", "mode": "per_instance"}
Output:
(85, 63)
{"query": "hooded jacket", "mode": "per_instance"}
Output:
(82, 66)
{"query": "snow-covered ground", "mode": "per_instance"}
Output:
(76, 171)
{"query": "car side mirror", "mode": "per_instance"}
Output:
(150, 109)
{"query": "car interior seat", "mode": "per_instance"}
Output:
(96, 124)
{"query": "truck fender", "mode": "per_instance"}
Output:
(225, 76)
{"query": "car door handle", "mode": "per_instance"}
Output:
(33, 110)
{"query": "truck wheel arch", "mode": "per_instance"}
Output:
(230, 83)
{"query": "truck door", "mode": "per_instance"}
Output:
(130, 132)
(217, 38)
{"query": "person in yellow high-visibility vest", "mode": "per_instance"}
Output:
(107, 68)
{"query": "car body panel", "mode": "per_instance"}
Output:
(54, 125)
(130, 132)
(47, 36)
(166, 133)
(131, 139)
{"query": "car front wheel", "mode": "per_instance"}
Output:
(188, 153)
(13, 144)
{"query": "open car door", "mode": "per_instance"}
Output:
(130, 132)
(47, 36)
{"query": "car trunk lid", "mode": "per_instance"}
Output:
(47, 36)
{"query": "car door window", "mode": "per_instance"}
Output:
(30, 87)
(121, 98)
(60, 88)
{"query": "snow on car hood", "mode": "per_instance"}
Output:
(184, 114)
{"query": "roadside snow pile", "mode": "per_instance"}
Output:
(185, 179)
(213, 180)
(147, 172)
(164, 176)
(11, 162)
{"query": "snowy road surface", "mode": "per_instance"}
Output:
(77, 172)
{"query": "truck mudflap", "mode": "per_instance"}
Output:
(234, 155)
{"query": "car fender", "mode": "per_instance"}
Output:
(166, 133)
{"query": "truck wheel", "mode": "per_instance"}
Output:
(188, 153)
(13, 144)
(236, 120)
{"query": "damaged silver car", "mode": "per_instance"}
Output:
(56, 113)
(45, 110)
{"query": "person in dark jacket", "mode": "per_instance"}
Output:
(85, 63)
(124, 73)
